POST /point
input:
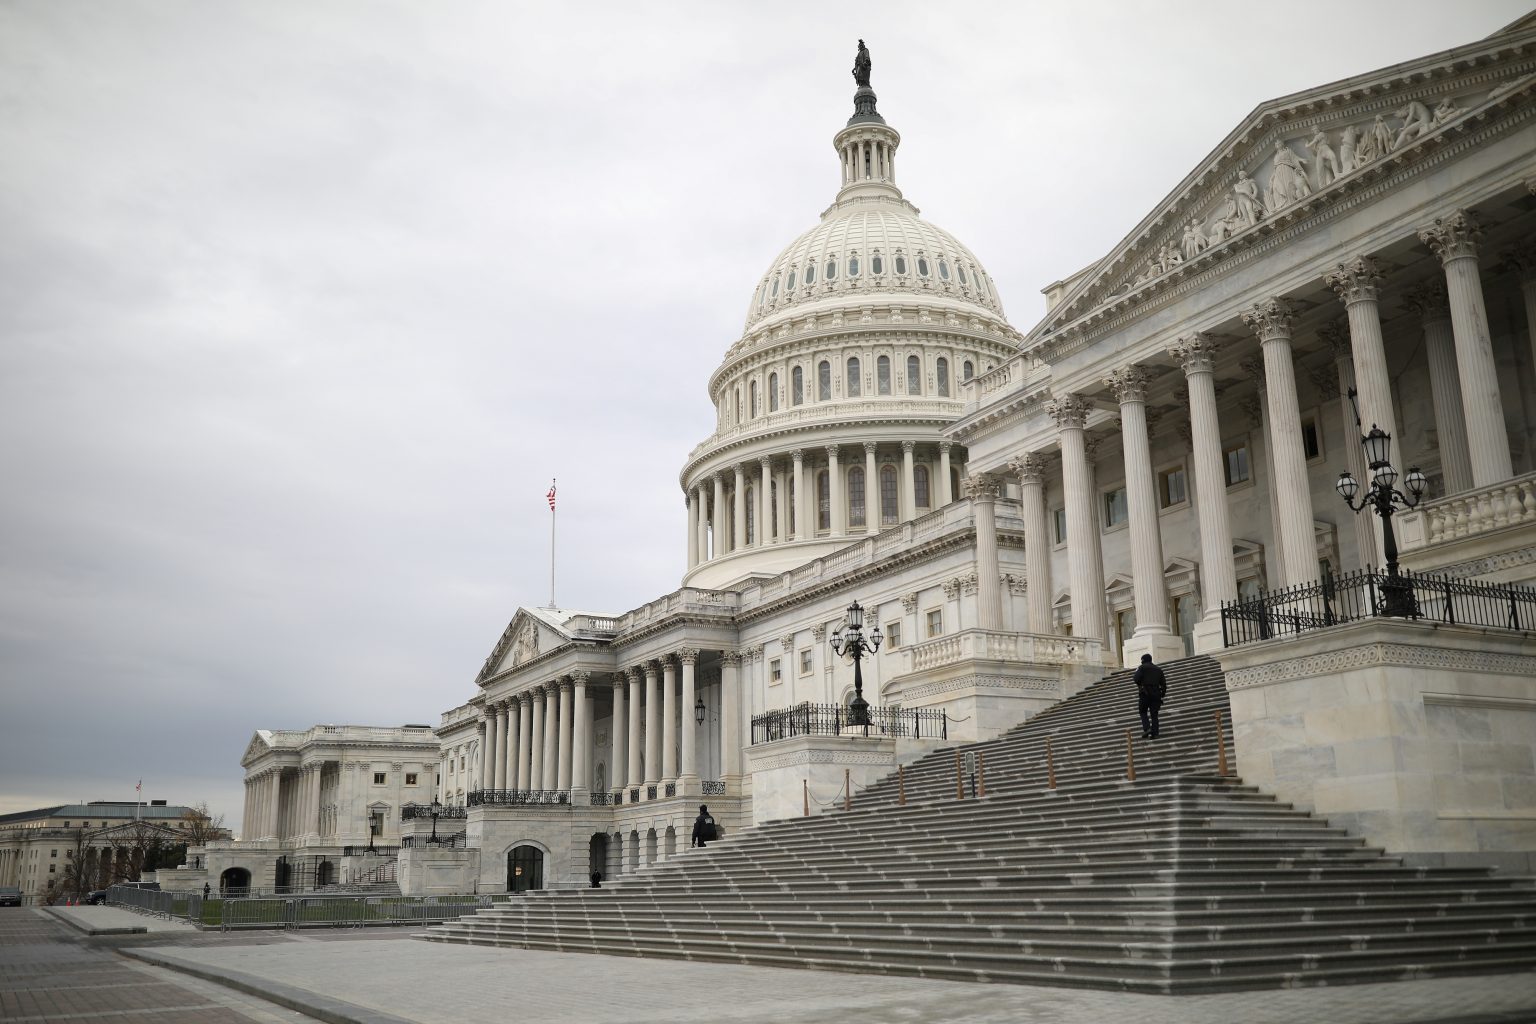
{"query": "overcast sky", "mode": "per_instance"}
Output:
(302, 305)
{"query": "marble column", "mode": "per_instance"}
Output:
(871, 489)
(730, 720)
(1271, 320)
(688, 771)
(1037, 540)
(703, 524)
(551, 755)
(989, 598)
(668, 720)
(514, 737)
(1522, 260)
(1356, 282)
(1336, 337)
(525, 742)
(581, 719)
(693, 528)
(636, 772)
(739, 510)
(946, 489)
(1085, 566)
(1454, 239)
(499, 758)
(837, 495)
(765, 524)
(313, 826)
(565, 749)
(718, 546)
(620, 729)
(652, 723)
(1257, 409)
(1153, 635)
(536, 752)
(487, 742)
(802, 531)
(1196, 354)
(908, 482)
(1431, 302)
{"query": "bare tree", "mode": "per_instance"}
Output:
(201, 826)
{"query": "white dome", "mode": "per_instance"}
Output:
(872, 247)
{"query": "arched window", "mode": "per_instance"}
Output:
(796, 386)
(856, 496)
(876, 265)
(762, 293)
(943, 268)
(831, 274)
(773, 392)
(922, 266)
(790, 284)
(960, 269)
(810, 273)
(823, 501)
(883, 375)
(775, 292)
(914, 376)
(824, 381)
(756, 408)
(855, 384)
(920, 487)
(888, 512)
(751, 516)
(853, 266)
(901, 264)
(967, 370)
(941, 371)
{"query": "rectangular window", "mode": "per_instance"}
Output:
(805, 662)
(1172, 487)
(53, 853)
(1235, 458)
(1059, 524)
(378, 778)
(775, 671)
(936, 622)
(1116, 510)
(1311, 440)
(893, 634)
(410, 778)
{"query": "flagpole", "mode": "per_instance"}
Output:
(552, 542)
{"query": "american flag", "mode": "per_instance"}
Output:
(551, 495)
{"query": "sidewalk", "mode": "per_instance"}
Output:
(406, 980)
(104, 920)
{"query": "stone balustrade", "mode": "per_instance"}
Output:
(1470, 513)
(988, 645)
(831, 412)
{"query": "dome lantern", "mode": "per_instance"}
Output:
(866, 145)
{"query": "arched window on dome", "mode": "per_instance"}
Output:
(775, 293)
(981, 283)
(943, 268)
(855, 383)
(762, 293)
(831, 274)
(824, 381)
(922, 267)
(883, 375)
(751, 516)
(914, 376)
(901, 264)
(757, 410)
(888, 508)
(941, 373)
(967, 371)
(790, 284)
(856, 504)
(797, 386)
(920, 487)
(960, 269)
(876, 264)
(773, 392)
(823, 501)
(853, 266)
(810, 273)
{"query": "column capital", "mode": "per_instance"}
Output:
(688, 655)
(1454, 236)
(1429, 299)
(618, 682)
(945, 446)
(766, 461)
(870, 446)
(1030, 467)
(1521, 258)
(952, 587)
(1195, 352)
(787, 643)
(981, 486)
(798, 454)
(653, 667)
(1129, 383)
(819, 632)
(734, 657)
(1335, 334)
(1271, 319)
(1069, 411)
(1356, 280)
(1253, 367)
(552, 688)
(832, 451)
(1252, 408)
(909, 603)
(634, 674)
(581, 676)
(907, 447)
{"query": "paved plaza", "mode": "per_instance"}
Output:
(385, 977)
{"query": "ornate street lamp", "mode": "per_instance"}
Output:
(699, 711)
(1397, 594)
(851, 641)
(437, 808)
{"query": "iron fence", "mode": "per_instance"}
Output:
(604, 799)
(457, 841)
(365, 851)
(445, 812)
(518, 797)
(832, 720)
(1335, 600)
(298, 911)
(714, 788)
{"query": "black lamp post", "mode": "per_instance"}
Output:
(850, 640)
(699, 711)
(437, 808)
(1397, 594)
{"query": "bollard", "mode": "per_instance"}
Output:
(959, 776)
(981, 772)
(901, 785)
(807, 794)
(847, 791)
(1130, 757)
(1221, 748)
(1050, 766)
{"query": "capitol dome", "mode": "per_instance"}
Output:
(858, 343)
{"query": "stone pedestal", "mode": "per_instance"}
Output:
(1162, 646)
(434, 871)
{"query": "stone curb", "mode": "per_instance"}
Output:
(89, 929)
(320, 1007)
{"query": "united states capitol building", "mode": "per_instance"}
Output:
(1021, 509)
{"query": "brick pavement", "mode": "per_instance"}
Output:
(431, 983)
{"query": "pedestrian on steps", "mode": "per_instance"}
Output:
(1151, 687)
(704, 830)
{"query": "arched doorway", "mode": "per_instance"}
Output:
(234, 882)
(282, 875)
(525, 869)
(597, 854)
(325, 873)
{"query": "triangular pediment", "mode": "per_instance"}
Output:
(1290, 157)
(528, 636)
(261, 743)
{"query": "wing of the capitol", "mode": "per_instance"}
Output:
(1284, 428)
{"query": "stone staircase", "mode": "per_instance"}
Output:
(1181, 881)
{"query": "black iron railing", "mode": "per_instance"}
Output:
(713, 788)
(670, 789)
(650, 792)
(378, 850)
(1335, 600)
(832, 720)
(445, 812)
(517, 797)
(457, 841)
(603, 799)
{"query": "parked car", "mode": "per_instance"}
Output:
(96, 897)
(10, 896)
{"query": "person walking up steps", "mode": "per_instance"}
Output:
(1151, 687)
(704, 830)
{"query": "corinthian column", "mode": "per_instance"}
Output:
(688, 775)
(989, 599)
(551, 736)
(1152, 634)
(488, 749)
(652, 724)
(1271, 320)
(1037, 541)
(1085, 568)
(1196, 354)
(765, 522)
(1431, 302)
(739, 508)
(579, 717)
(565, 744)
(693, 527)
(1367, 540)
(908, 503)
(946, 494)
(536, 751)
(871, 490)
(499, 757)
(620, 728)
(703, 524)
(717, 523)
(668, 721)
(636, 773)
(802, 531)
(1454, 239)
(514, 734)
(730, 720)
(836, 494)
(1356, 281)
(525, 752)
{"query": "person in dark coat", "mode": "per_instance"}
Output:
(704, 830)
(1151, 687)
